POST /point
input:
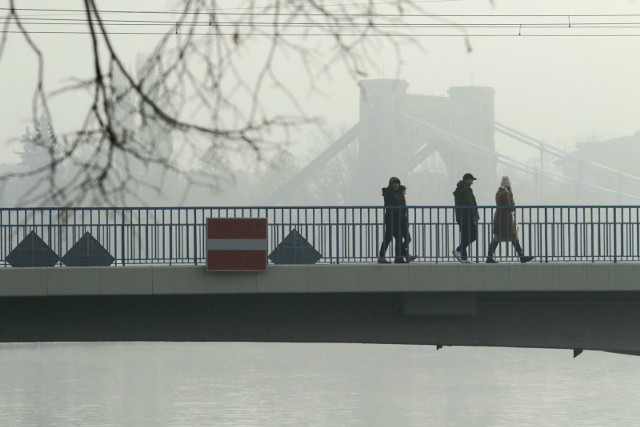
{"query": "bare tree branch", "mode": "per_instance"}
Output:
(200, 92)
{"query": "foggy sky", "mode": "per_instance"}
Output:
(558, 89)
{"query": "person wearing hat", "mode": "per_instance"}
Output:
(396, 223)
(504, 222)
(466, 213)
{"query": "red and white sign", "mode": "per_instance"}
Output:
(236, 244)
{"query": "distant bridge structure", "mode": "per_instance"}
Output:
(397, 132)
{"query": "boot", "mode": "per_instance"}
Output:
(492, 249)
(523, 258)
(382, 260)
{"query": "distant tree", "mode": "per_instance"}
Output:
(40, 153)
(38, 145)
(197, 86)
(216, 167)
(279, 169)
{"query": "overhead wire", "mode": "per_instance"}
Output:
(534, 25)
(306, 34)
(84, 21)
(406, 15)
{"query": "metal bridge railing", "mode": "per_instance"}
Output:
(341, 234)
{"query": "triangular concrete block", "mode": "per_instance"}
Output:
(32, 251)
(294, 249)
(87, 252)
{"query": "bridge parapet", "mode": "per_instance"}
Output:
(342, 234)
(305, 279)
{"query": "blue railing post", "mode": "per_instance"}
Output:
(170, 236)
(122, 237)
(615, 236)
(337, 236)
(195, 237)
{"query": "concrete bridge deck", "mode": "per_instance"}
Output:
(566, 305)
(300, 279)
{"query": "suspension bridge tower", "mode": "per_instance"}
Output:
(381, 149)
(473, 120)
(388, 142)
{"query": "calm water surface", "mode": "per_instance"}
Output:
(242, 384)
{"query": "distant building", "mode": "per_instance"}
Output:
(617, 161)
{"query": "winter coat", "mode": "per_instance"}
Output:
(504, 223)
(398, 216)
(466, 207)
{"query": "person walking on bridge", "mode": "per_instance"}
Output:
(396, 223)
(466, 213)
(504, 223)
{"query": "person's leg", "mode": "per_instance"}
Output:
(383, 248)
(406, 248)
(388, 235)
(398, 247)
(466, 231)
(518, 248)
(492, 248)
(457, 252)
(465, 239)
(406, 239)
(473, 233)
(469, 234)
(520, 251)
(461, 246)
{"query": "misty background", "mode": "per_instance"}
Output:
(561, 74)
(572, 89)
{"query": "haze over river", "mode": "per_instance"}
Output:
(253, 384)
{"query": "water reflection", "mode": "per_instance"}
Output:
(243, 384)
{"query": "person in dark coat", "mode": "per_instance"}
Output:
(504, 222)
(396, 223)
(466, 213)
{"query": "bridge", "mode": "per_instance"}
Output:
(434, 140)
(581, 292)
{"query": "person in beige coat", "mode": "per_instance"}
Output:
(504, 223)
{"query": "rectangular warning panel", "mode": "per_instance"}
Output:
(236, 244)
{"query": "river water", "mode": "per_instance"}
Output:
(252, 384)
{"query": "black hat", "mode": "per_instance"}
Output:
(468, 176)
(394, 179)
